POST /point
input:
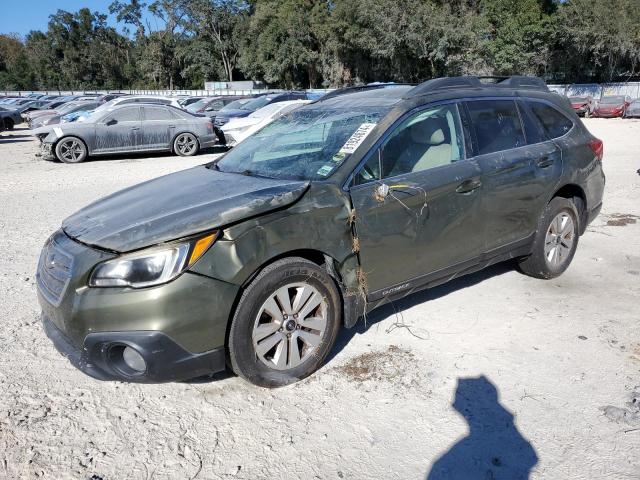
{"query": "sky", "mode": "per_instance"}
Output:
(34, 14)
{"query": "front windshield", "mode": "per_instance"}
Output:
(306, 144)
(612, 100)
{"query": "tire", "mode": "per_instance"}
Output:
(186, 144)
(71, 150)
(272, 352)
(8, 124)
(552, 252)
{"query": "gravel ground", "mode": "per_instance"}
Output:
(493, 369)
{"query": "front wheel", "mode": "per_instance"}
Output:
(556, 240)
(71, 150)
(186, 145)
(285, 324)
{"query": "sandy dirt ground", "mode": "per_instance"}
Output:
(538, 378)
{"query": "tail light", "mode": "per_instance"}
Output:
(597, 147)
(210, 127)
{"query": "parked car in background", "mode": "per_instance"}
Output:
(40, 105)
(127, 128)
(613, 106)
(77, 116)
(583, 106)
(129, 99)
(633, 110)
(66, 109)
(210, 106)
(35, 114)
(186, 101)
(110, 96)
(238, 129)
(9, 118)
(226, 114)
(257, 259)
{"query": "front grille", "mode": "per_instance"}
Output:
(54, 271)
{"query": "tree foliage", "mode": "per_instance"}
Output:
(313, 43)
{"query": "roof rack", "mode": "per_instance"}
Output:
(451, 83)
(360, 88)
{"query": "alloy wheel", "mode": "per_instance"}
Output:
(186, 144)
(71, 150)
(559, 239)
(289, 326)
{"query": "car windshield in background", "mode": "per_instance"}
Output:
(195, 106)
(256, 103)
(236, 104)
(612, 100)
(67, 107)
(306, 144)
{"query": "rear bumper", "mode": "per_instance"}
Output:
(166, 361)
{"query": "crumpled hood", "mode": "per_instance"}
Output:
(176, 206)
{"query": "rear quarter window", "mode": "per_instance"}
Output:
(554, 123)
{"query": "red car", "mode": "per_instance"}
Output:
(583, 106)
(611, 107)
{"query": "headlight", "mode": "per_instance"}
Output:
(150, 267)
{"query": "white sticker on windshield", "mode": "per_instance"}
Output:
(57, 131)
(357, 138)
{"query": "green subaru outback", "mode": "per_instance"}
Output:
(255, 261)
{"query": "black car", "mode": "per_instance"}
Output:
(226, 114)
(257, 259)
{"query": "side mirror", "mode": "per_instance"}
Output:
(110, 122)
(381, 192)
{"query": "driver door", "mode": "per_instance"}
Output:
(119, 131)
(416, 201)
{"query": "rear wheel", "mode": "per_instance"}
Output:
(8, 124)
(71, 150)
(186, 145)
(556, 240)
(285, 324)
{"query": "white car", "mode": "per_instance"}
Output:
(237, 129)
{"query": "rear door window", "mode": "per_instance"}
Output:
(157, 113)
(554, 123)
(532, 128)
(496, 124)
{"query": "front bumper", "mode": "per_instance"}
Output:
(46, 151)
(165, 360)
(178, 327)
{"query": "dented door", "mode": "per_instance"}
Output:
(427, 222)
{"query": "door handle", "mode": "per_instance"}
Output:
(135, 128)
(469, 186)
(544, 162)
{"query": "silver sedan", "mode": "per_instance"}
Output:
(127, 129)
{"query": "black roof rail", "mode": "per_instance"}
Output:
(360, 88)
(521, 81)
(444, 83)
(449, 83)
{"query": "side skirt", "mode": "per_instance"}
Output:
(395, 292)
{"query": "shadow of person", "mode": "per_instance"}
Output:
(494, 448)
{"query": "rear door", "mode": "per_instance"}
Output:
(119, 131)
(517, 166)
(158, 128)
(416, 201)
